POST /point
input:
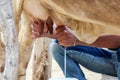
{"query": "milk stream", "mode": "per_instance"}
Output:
(65, 62)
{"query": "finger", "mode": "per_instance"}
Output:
(63, 38)
(35, 25)
(37, 34)
(38, 25)
(60, 27)
(33, 36)
(63, 33)
(36, 21)
(32, 26)
(60, 35)
(59, 31)
(65, 43)
(62, 43)
(36, 29)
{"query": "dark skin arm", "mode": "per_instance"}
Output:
(105, 41)
(66, 37)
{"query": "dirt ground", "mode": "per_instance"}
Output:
(89, 75)
(57, 73)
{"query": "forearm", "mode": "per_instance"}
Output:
(106, 41)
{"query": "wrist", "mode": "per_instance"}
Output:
(75, 40)
(78, 42)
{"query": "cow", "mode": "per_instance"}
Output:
(88, 19)
(82, 16)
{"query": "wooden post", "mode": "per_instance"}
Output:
(10, 40)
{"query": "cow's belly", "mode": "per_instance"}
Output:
(34, 9)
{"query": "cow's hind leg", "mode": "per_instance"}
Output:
(25, 43)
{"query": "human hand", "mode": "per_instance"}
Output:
(37, 28)
(42, 29)
(65, 36)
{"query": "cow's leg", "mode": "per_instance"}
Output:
(25, 43)
(42, 59)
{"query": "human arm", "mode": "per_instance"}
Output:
(65, 36)
(105, 41)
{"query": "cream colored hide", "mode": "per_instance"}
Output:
(88, 18)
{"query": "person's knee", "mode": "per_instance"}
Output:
(55, 49)
(118, 51)
(118, 55)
